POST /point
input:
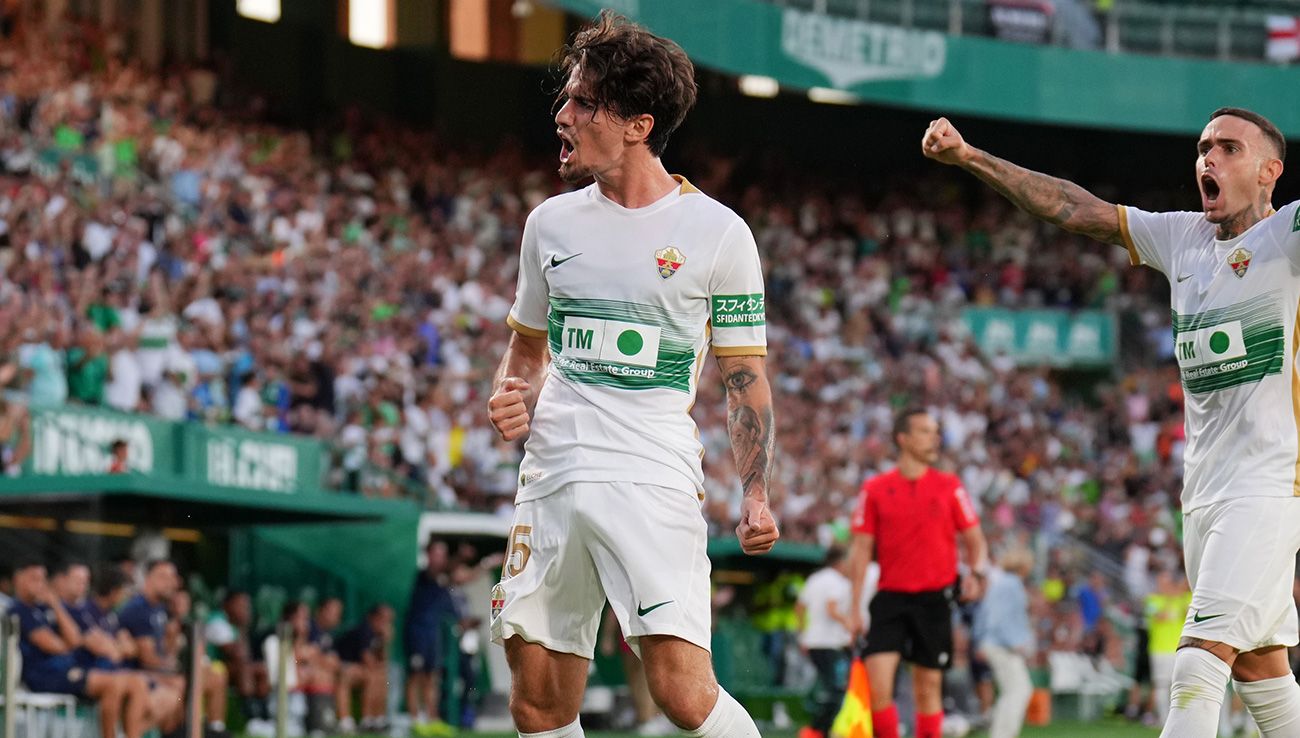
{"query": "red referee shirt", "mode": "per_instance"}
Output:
(915, 523)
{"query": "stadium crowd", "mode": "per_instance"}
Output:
(163, 251)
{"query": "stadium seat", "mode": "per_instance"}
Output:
(1091, 685)
(37, 713)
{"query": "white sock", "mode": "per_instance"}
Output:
(728, 720)
(1196, 697)
(1274, 703)
(572, 730)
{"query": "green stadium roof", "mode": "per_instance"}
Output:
(171, 502)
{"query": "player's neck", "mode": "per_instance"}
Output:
(911, 468)
(1242, 221)
(639, 182)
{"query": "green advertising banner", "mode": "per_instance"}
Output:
(957, 74)
(227, 457)
(1045, 337)
(74, 441)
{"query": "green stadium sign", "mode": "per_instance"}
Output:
(74, 441)
(961, 74)
(1057, 338)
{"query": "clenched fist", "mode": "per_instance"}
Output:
(508, 408)
(757, 530)
(943, 143)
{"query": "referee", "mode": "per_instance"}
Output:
(910, 519)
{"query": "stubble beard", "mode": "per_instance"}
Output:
(574, 174)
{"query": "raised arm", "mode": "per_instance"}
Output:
(751, 425)
(1047, 198)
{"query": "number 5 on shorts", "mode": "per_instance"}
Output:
(518, 552)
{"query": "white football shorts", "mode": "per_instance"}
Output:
(1241, 558)
(641, 547)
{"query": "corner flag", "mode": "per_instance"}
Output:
(854, 720)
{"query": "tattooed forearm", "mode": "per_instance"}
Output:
(740, 379)
(750, 423)
(1049, 198)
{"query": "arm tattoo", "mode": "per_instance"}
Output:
(1051, 199)
(740, 379)
(750, 423)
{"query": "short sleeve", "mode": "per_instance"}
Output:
(532, 298)
(963, 510)
(30, 620)
(737, 305)
(1153, 238)
(864, 518)
(219, 632)
(135, 620)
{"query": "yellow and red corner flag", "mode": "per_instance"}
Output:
(854, 720)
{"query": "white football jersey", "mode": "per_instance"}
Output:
(1234, 314)
(630, 300)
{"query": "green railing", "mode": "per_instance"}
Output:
(1199, 28)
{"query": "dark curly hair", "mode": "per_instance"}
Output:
(633, 72)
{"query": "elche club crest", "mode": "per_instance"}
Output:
(1239, 260)
(669, 261)
(498, 599)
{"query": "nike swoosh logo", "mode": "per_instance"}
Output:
(643, 611)
(1184, 277)
(556, 262)
(1198, 618)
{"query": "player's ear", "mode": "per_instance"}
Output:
(1270, 170)
(638, 128)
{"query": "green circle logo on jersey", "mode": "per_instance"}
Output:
(630, 343)
(1219, 342)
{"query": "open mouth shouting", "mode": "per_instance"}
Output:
(567, 146)
(1210, 191)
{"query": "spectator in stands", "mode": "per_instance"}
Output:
(116, 648)
(430, 615)
(15, 437)
(825, 633)
(70, 580)
(42, 359)
(1004, 637)
(363, 653)
(1092, 598)
(227, 634)
(110, 589)
(146, 617)
(118, 457)
(328, 617)
(48, 639)
(303, 673)
(87, 367)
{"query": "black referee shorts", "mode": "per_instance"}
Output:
(918, 626)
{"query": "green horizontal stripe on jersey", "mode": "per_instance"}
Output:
(674, 365)
(673, 372)
(1263, 337)
(1255, 311)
